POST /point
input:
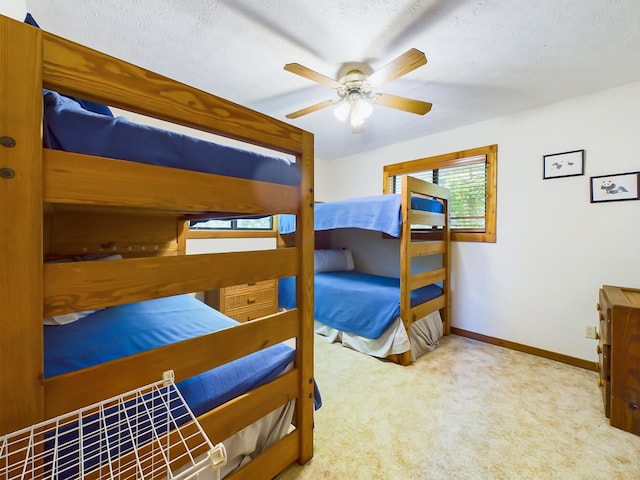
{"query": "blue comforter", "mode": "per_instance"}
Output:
(380, 213)
(128, 329)
(355, 302)
(70, 126)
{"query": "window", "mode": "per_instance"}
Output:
(470, 175)
(235, 228)
(264, 223)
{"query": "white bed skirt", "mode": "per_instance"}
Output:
(248, 443)
(425, 336)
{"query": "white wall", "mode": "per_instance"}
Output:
(538, 285)
(218, 245)
(16, 9)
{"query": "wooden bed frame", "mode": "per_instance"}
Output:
(54, 203)
(412, 246)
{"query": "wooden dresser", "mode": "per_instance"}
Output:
(619, 355)
(245, 302)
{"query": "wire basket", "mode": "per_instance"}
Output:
(147, 433)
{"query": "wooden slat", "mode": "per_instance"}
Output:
(72, 178)
(20, 227)
(73, 390)
(272, 461)
(418, 217)
(426, 308)
(415, 185)
(233, 416)
(423, 249)
(78, 286)
(80, 71)
(70, 233)
(421, 279)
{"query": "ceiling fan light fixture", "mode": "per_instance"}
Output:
(354, 106)
(342, 110)
(357, 90)
(361, 107)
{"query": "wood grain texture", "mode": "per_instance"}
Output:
(95, 76)
(620, 373)
(20, 227)
(76, 286)
(412, 248)
(304, 300)
(76, 179)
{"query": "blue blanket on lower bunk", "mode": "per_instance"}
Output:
(355, 302)
(128, 329)
(380, 213)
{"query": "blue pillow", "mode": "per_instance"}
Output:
(85, 104)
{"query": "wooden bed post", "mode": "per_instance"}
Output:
(304, 300)
(21, 358)
(405, 268)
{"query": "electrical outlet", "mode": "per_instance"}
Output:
(590, 331)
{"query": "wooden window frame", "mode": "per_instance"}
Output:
(453, 159)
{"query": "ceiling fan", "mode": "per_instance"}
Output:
(357, 91)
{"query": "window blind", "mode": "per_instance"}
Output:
(467, 182)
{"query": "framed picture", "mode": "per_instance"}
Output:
(620, 186)
(565, 164)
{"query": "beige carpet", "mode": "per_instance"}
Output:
(467, 410)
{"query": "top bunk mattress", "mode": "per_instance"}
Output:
(124, 330)
(380, 213)
(70, 126)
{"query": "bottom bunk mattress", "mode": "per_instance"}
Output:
(125, 330)
(362, 311)
(355, 302)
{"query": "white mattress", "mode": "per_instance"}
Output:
(425, 336)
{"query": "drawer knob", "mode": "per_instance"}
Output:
(251, 300)
(633, 407)
(598, 306)
(598, 350)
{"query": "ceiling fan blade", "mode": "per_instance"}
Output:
(400, 103)
(405, 63)
(312, 108)
(312, 75)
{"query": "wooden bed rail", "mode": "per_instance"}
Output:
(75, 179)
(77, 286)
(80, 71)
(73, 390)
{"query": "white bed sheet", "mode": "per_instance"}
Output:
(425, 336)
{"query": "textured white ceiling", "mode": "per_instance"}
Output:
(486, 58)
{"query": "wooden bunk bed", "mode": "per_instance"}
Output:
(418, 298)
(57, 204)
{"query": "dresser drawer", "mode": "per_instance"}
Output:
(246, 301)
(247, 298)
(604, 379)
(604, 318)
(250, 287)
(250, 313)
